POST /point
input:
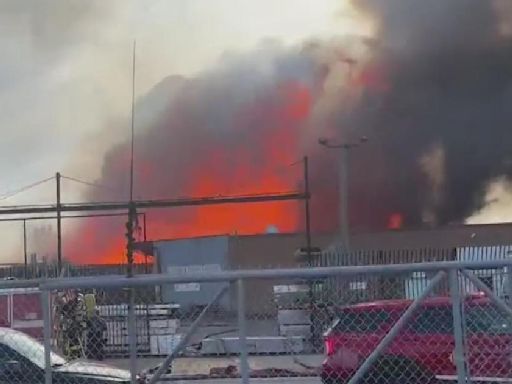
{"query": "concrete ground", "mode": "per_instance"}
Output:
(190, 366)
(305, 380)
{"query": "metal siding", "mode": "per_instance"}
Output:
(180, 255)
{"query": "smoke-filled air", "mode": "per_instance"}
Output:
(431, 89)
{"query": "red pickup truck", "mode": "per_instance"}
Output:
(423, 351)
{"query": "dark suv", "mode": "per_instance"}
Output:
(423, 351)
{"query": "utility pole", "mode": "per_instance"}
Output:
(132, 209)
(130, 226)
(306, 206)
(344, 214)
(59, 226)
(144, 228)
(344, 198)
(130, 238)
(25, 258)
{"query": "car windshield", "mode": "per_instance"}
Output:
(487, 319)
(360, 321)
(31, 349)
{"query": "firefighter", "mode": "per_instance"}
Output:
(74, 324)
(96, 326)
(95, 340)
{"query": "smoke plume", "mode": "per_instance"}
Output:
(431, 90)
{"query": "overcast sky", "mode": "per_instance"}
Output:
(65, 70)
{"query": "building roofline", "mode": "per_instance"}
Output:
(356, 233)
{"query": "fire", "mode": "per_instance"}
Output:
(260, 165)
(396, 221)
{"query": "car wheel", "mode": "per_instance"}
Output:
(397, 370)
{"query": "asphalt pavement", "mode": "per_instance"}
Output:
(191, 366)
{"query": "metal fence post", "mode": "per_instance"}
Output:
(132, 336)
(242, 333)
(508, 280)
(47, 336)
(458, 332)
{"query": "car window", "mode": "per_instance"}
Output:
(488, 319)
(433, 320)
(361, 321)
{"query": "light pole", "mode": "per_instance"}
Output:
(344, 148)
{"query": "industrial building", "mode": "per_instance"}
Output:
(213, 253)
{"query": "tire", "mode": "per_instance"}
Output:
(397, 370)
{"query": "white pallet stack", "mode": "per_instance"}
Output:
(159, 320)
(163, 329)
(163, 336)
(293, 319)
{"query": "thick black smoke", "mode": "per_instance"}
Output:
(432, 92)
(442, 129)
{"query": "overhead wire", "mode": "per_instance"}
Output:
(88, 183)
(23, 189)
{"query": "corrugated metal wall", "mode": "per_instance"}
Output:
(188, 255)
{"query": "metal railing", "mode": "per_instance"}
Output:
(455, 329)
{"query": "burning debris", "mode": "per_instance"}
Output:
(432, 90)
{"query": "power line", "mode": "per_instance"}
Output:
(23, 189)
(88, 183)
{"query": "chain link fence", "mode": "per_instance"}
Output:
(409, 323)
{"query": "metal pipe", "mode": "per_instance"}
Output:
(344, 199)
(457, 302)
(292, 273)
(501, 304)
(186, 338)
(307, 213)
(132, 336)
(30, 218)
(144, 227)
(508, 285)
(25, 256)
(47, 336)
(399, 325)
(59, 225)
(167, 203)
(242, 333)
(11, 284)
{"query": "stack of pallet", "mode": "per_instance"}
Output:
(116, 319)
(156, 328)
(293, 315)
(163, 330)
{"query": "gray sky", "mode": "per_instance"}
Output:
(65, 73)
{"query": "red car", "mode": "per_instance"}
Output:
(423, 351)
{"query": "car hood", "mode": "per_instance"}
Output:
(88, 368)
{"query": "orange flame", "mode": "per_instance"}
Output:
(232, 172)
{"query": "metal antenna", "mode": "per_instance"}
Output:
(133, 121)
